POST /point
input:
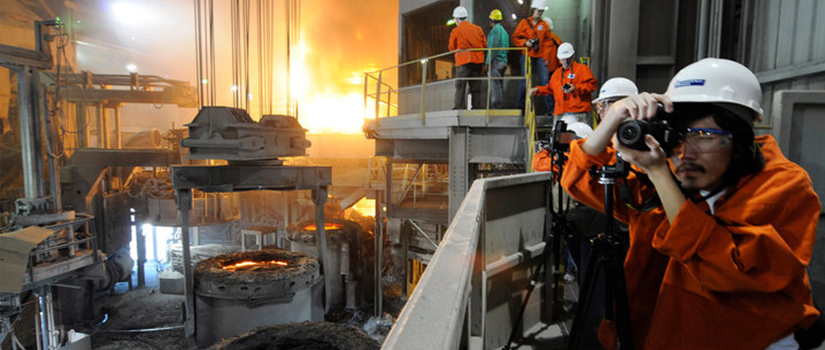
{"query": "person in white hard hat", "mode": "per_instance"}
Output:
(614, 89)
(468, 64)
(533, 33)
(571, 85)
(719, 260)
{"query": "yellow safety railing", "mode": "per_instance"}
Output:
(384, 95)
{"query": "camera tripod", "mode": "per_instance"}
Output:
(556, 228)
(608, 255)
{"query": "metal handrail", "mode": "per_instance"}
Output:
(378, 75)
(438, 311)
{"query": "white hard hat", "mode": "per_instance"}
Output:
(460, 12)
(539, 4)
(565, 51)
(581, 130)
(724, 82)
(616, 88)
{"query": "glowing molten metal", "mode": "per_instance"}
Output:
(251, 265)
(327, 227)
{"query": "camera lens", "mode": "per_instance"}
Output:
(632, 134)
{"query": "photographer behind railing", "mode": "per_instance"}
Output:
(720, 261)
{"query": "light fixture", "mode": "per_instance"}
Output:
(131, 68)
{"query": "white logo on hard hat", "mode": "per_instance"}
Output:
(689, 82)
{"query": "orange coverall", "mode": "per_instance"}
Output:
(550, 50)
(732, 280)
(528, 29)
(579, 101)
(467, 36)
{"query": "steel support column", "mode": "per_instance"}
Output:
(459, 168)
(30, 140)
(183, 197)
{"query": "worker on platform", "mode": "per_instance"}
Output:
(572, 85)
(722, 225)
(469, 64)
(533, 33)
(497, 59)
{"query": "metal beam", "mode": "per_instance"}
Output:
(230, 178)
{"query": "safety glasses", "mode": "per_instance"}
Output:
(704, 140)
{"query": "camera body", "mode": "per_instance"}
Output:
(535, 43)
(631, 133)
(567, 86)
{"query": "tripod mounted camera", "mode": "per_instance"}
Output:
(608, 256)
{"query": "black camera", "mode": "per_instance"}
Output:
(567, 86)
(561, 138)
(632, 132)
(535, 43)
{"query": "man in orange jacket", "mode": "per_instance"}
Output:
(720, 262)
(469, 64)
(534, 34)
(571, 85)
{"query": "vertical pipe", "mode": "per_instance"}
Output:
(155, 243)
(82, 121)
(702, 45)
(44, 322)
(118, 138)
(141, 250)
(184, 201)
(100, 128)
(29, 134)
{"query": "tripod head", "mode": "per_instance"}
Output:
(607, 174)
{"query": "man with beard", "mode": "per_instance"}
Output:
(720, 262)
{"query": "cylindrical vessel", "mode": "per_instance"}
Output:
(235, 293)
(340, 237)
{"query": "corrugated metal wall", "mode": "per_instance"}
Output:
(787, 47)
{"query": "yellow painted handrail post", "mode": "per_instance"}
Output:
(423, 91)
(529, 111)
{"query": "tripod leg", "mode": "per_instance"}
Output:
(621, 300)
(596, 263)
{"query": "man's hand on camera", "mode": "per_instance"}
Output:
(640, 106)
(653, 159)
(542, 145)
(568, 88)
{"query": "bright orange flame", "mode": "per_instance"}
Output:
(327, 227)
(365, 207)
(249, 263)
(327, 112)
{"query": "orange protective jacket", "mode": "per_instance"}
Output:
(528, 29)
(550, 50)
(579, 101)
(467, 36)
(732, 280)
(542, 161)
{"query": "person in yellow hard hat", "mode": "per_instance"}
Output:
(497, 59)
